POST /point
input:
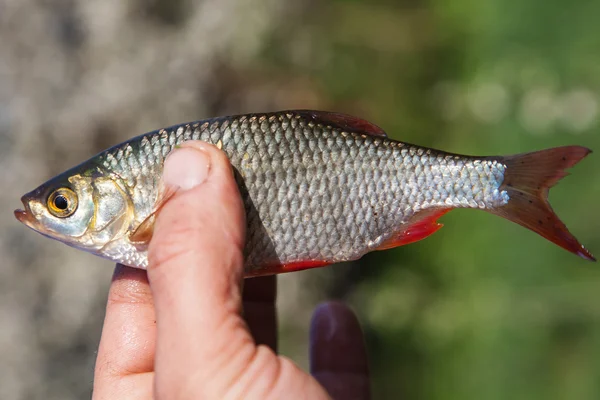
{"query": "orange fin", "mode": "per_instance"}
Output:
(423, 225)
(301, 265)
(143, 233)
(527, 180)
(343, 121)
(290, 267)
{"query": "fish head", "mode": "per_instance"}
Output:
(85, 208)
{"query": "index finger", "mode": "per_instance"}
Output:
(260, 310)
(126, 354)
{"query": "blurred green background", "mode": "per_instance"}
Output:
(483, 309)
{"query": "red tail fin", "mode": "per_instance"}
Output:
(527, 180)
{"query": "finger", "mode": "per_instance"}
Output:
(260, 310)
(338, 358)
(126, 355)
(195, 271)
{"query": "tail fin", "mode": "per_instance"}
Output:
(527, 180)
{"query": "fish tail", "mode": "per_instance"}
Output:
(527, 180)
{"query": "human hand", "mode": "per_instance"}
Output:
(184, 330)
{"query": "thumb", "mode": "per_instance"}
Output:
(195, 272)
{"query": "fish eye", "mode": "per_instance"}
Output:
(62, 202)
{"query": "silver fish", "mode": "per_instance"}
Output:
(318, 188)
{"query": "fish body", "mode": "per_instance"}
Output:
(317, 187)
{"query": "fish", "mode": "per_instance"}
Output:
(318, 188)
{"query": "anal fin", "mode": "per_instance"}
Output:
(421, 226)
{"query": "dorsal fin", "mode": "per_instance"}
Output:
(342, 121)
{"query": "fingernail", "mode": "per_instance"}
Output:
(187, 167)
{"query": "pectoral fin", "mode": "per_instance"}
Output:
(141, 236)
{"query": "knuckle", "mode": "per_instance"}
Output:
(129, 286)
(127, 294)
(173, 244)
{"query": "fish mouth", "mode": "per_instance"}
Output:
(25, 215)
